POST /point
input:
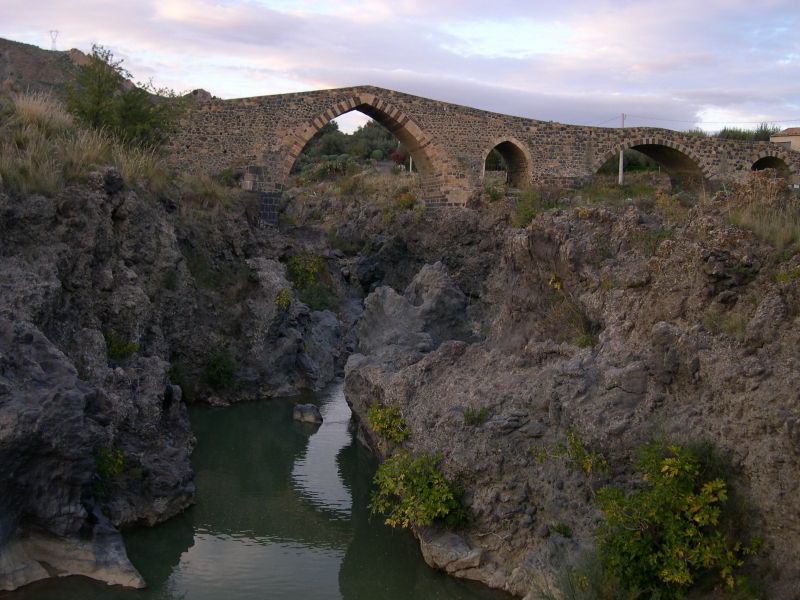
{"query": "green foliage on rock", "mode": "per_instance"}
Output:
(388, 423)
(100, 98)
(109, 461)
(283, 299)
(309, 274)
(411, 491)
(473, 416)
(118, 348)
(579, 458)
(670, 531)
(219, 370)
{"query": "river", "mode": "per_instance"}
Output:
(281, 513)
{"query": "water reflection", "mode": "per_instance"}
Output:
(280, 514)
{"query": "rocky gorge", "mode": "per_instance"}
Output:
(623, 321)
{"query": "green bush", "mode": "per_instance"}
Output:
(117, 348)
(388, 423)
(473, 416)
(283, 299)
(526, 208)
(109, 462)
(788, 275)
(669, 531)
(219, 370)
(309, 274)
(99, 98)
(578, 456)
(411, 491)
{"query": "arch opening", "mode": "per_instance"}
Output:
(407, 137)
(772, 162)
(509, 163)
(680, 167)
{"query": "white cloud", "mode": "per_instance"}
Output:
(576, 61)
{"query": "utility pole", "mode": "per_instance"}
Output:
(621, 177)
(53, 36)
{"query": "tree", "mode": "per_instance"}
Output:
(140, 115)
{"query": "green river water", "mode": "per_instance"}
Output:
(280, 514)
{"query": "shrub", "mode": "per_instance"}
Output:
(412, 491)
(578, 456)
(649, 240)
(669, 531)
(562, 529)
(219, 369)
(309, 275)
(493, 193)
(99, 99)
(388, 423)
(118, 348)
(568, 320)
(731, 324)
(788, 275)
(473, 416)
(526, 208)
(109, 462)
(283, 299)
(405, 200)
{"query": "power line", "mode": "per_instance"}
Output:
(614, 118)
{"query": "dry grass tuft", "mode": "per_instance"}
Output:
(765, 205)
(42, 150)
(41, 110)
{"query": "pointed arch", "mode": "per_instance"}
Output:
(403, 127)
(517, 158)
(681, 163)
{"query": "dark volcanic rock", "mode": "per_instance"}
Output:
(50, 522)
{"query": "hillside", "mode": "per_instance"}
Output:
(28, 67)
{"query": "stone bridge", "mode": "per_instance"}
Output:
(449, 143)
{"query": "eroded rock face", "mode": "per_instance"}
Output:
(109, 301)
(49, 429)
(661, 365)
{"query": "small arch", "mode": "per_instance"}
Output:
(403, 127)
(679, 162)
(772, 162)
(517, 161)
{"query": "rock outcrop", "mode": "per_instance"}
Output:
(599, 323)
(115, 309)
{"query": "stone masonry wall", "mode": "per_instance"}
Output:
(449, 143)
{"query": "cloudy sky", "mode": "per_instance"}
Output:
(673, 63)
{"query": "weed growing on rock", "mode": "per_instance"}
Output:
(283, 299)
(562, 529)
(388, 423)
(789, 275)
(118, 348)
(565, 310)
(765, 206)
(670, 531)
(493, 193)
(109, 462)
(219, 370)
(648, 241)
(411, 491)
(308, 274)
(579, 458)
(726, 323)
(527, 207)
(473, 416)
